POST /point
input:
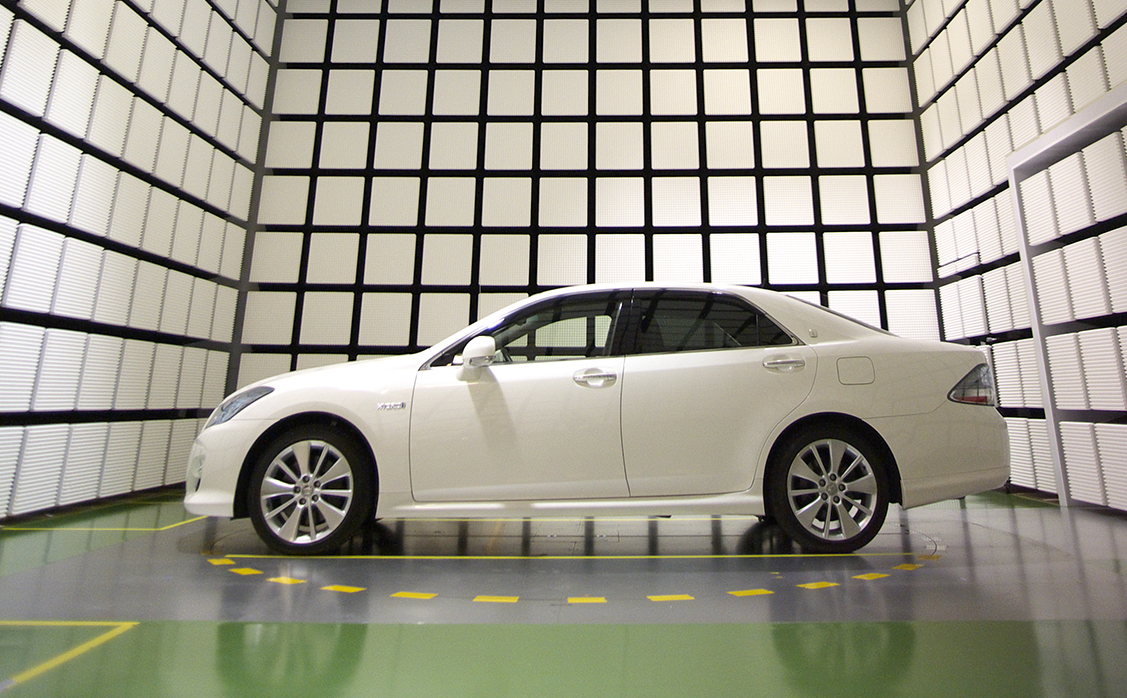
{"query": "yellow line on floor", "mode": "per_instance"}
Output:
(68, 529)
(562, 557)
(117, 629)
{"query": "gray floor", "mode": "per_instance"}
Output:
(987, 558)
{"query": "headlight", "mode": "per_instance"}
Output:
(976, 388)
(235, 404)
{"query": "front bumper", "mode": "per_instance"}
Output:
(214, 465)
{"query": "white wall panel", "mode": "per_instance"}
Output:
(89, 25)
(126, 42)
(72, 95)
(136, 370)
(1067, 372)
(20, 350)
(100, 373)
(115, 288)
(1103, 369)
(1021, 458)
(77, 287)
(40, 469)
(179, 448)
(34, 268)
(53, 179)
(1111, 444)
(215, 379)
(113, 106)
(1087, 286)
(165, 378)
(1113, 252)
(1085, 481)
(121, 458)
(20, 142)
(56, 388)
(1052, 287)
(152, 456)
(85, 456)
(144, 312)
(25, 79)
(223, 323)
(1107, 176)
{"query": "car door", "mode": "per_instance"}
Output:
(540, 422)
(707, 379)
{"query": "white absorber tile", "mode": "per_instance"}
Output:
(1030, 373)
(1103, 369)
(1052, 287)
(1081, 462)
(99, 372)
(121, 458)
(1087, 287)
(11, 444)
(1021, 457)
(56, 389)
(1067, 372)
(78, 279)
(1037, 208)
(179, 448)
(20, 142)
(40, 469)
(82, 471)
(20, 349)
(1042, 456)
(34, 268)
(1113, 252)
(1007, 374)
(1107, 176)
(152, 456)
(1111, 442)
(25, 77)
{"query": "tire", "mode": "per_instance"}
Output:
(829, 490)
(294, 507)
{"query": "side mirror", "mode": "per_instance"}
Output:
(478, 353)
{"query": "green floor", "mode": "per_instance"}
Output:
(1081, 658)
(156, 658)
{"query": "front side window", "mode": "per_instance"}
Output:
(565, 329)
(696, 322)
(556, 330)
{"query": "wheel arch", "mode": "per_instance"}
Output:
(305, 418)
(888, 460)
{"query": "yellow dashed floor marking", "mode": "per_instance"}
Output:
(751, 592)
(222, 561)
(586, 599)
(818, 585)
(413, 595)
(871, 576)
(930, 557)
(245, 570)
(907, 568)
(497, 599)
(286, 580)
(671, 597)
(343, 589)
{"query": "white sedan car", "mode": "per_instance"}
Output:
(613, 400)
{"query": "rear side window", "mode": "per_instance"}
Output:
(698, 322)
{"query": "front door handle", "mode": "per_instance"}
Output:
(595, 378)
(784, 364)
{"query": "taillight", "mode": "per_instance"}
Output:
(976, 388)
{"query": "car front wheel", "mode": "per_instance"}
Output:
(310, 491)
(829, 490)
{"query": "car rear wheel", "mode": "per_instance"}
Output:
(311, 490)
(829, 490)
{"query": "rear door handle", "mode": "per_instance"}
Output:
(595, 378)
